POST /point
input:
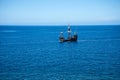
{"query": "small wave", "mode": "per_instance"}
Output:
(13, 43)
(9, 31)
(98, 40)
(11, 37)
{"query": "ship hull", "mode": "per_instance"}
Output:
(68, 40)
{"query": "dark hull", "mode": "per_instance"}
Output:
(68, 40)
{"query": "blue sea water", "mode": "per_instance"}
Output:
(35, 53)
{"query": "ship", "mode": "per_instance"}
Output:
(70, 38)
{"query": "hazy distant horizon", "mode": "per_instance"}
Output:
(64, 25)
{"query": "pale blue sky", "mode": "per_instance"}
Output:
(59, 12)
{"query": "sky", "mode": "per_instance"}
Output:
(59, 12)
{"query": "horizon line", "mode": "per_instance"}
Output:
(56, 24)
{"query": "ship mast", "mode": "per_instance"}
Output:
(69, 32)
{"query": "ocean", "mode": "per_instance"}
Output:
(35, 53)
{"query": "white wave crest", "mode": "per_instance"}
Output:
(9, 31)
